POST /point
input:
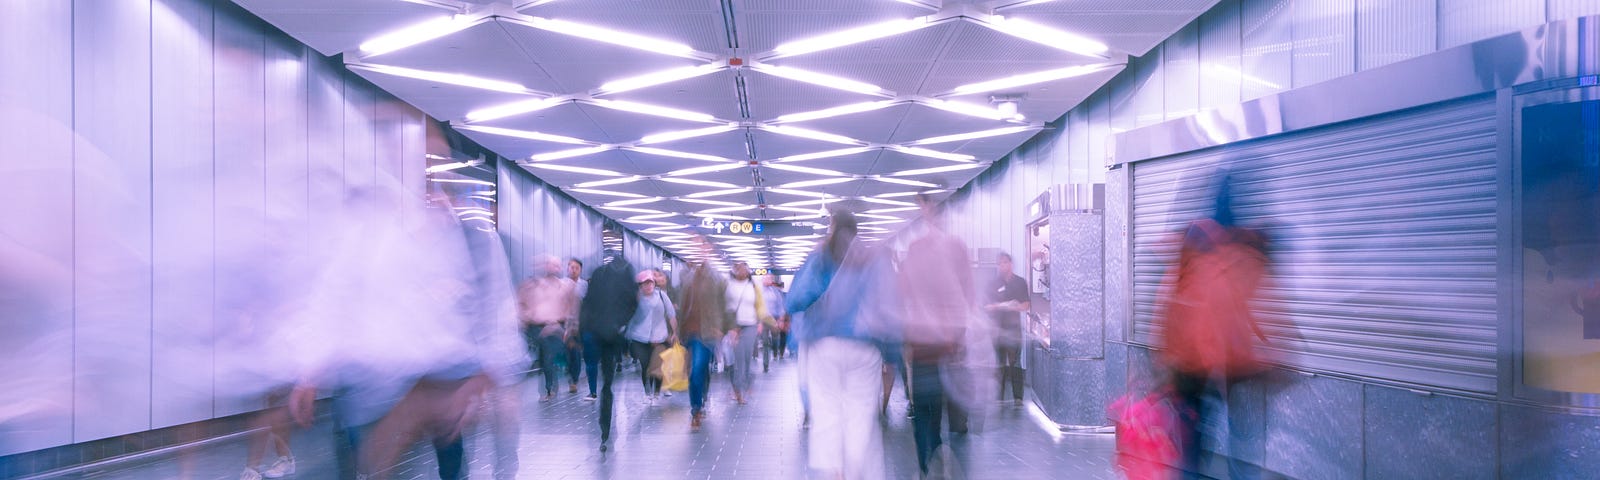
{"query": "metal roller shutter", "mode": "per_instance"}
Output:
(1383, 242)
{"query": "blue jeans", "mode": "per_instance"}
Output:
(700, 355)
(591, 359)
(549, 348)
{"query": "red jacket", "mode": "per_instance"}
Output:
(1208, 323)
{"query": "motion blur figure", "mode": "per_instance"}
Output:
(397, 345)
(544, 304)
(1008, 299)
(1208, 328)
(611, 302)
(939, 300)
(748, 310)
(492, 307)
(852, 315)
(776, 335)
(703, 320)
(576, 359)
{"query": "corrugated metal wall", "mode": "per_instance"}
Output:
(1382, 238)
(537, 220)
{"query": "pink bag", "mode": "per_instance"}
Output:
(1147, 433)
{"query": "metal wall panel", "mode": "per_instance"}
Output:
(1150, 89)
(111, 217)
(1324, 40)
(360, 160)
(1267, 46)
(181, 213)
(414, 162)
(1119, 100)
(1466, 21)
(1389, 31)
(325, 193)
(1565, 9)
(36, 236)
(1383, 237)
(1077, 168)
(1182, 72)
(240, 69)
(387, 125)
(1099, 138)
(1221, 56)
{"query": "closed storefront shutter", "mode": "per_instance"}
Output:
(1383, 242)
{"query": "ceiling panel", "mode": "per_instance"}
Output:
(770, 145)
(484, 51)
(772, 96)
(926, 62)
(765, 24)
(730, 145)
(439, 100)
(579, 65)
(334, 27)
(716, 94)
(623, 126)
(924, 122)
(696, 23)
(876, 126)
(567, 119)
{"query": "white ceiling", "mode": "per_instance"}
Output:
(542, 47)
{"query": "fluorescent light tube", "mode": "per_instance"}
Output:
(718, 193)
(652, 216)
(648, 222)
(613, 37)
(800, 193)
(886, 201)
(630, 209)
(576, 152)
(703, 201)
(592, 191)
(965, 109)
(513, 108)
(677, 154)
(819, 155)
(882, 222)
(573, 169)
(923, 152)
(811, 134)
(837, 111)
(656, 110)
(1028, 79)
(609, 182)
(636, 201)
(702, 183)
(729, 209)
(665, 137)
(903, 181)
(657, 78)
(820, 79)
(417, 34)
(892, 210)
(441, 77)
(850, 37)
(817, 182)
(524, 134)
(946, 168)
(801, 169)
(705, 169)
(1046, 36)
(972, 136)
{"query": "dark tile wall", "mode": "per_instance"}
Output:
(1409, 435)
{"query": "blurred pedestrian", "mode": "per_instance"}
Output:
(612, 301)
(576, 360)
(703, 320)
(1209, 332)
(748, 311)
(653, 327)
(776, 335)
(852, 314)
(1008, 298)
(940, 300)
(544, 303)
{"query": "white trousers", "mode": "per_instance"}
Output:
(845, 378)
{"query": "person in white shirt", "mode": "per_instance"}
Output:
(652, 328)
(748, 310)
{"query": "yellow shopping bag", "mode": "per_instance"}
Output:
(674, 370)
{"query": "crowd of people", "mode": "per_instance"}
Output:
(855, 316)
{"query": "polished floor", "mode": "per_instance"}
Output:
(763, 439)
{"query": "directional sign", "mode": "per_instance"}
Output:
(758, 228)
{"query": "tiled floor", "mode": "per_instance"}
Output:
(760, 440)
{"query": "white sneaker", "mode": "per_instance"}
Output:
(249, 474)
(283, 467)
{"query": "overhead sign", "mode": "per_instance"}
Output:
(758, 228)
